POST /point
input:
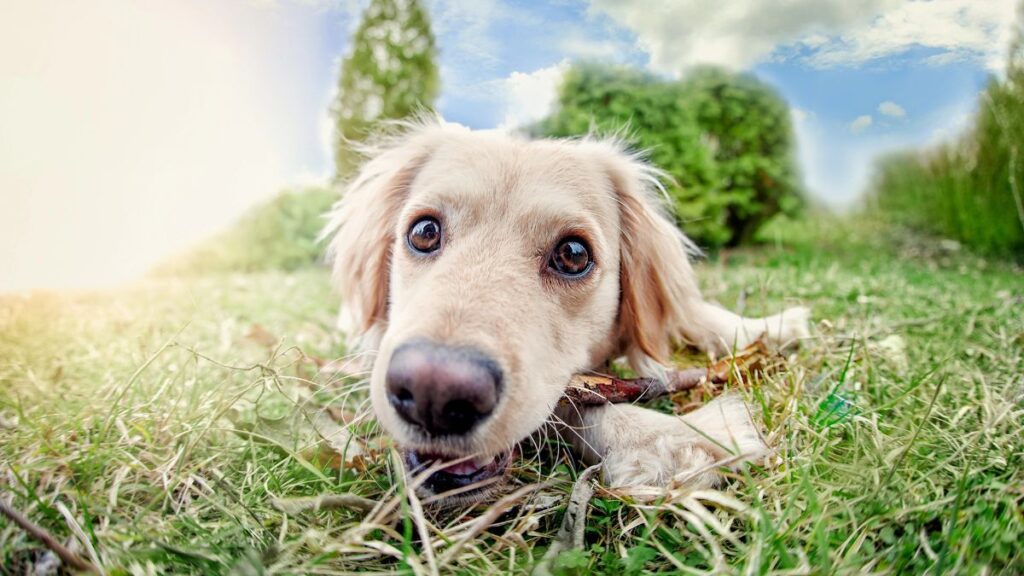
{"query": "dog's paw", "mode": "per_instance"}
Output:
(659, 463)
(662, 450)
(789, 327)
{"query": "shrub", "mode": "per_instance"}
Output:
(278, 235)
(726, 140)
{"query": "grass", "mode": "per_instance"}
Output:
(159, 422)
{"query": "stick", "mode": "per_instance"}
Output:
(574, 523)
(598, 389)
(67, 556)
(323, 502)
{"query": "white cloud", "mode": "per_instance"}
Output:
(958, 29)
(735, 34)
(576, 43)
(529, 97)
(860, 124)
(800, 115)
(741, 33)
(951, 122)
(891, 109)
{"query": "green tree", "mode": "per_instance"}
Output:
(390, 73)
(725, 139)
(748, 128)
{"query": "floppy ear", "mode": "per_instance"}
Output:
(660, 302)
(657, 283)
(362, 230)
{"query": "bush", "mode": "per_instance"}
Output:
(971, 188)
(278, 235)
(726, 140)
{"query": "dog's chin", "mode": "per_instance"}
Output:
(457, 479)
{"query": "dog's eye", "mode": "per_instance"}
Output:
(571, 258)
(424, 235)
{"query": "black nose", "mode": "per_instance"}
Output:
(442, 389)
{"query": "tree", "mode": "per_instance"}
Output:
(725, 139)
(390, 73)
(748, 128)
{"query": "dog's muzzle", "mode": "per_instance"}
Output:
(442, 390)
(446, 392)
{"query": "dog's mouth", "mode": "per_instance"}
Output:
(465, 477)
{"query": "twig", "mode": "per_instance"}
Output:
(598, 389)
(323, 502)
(574, 523)
(67, 556)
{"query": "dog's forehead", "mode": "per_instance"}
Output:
(490, 171)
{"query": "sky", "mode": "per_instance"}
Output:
(132, 130)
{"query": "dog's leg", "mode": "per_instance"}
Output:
(642, 447)
(715, 329)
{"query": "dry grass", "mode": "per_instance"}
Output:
(153, 430)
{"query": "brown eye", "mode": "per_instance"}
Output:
(571, 258)
(424, 235)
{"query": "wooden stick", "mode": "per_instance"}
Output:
(323, 502)
(598, 389)
(574, 523)
(67, 556)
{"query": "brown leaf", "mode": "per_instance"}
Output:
(260, 335)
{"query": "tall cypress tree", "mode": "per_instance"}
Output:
(389, 74)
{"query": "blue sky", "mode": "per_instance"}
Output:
(863, 76)
(132, 130)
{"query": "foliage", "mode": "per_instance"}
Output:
(389, 74)
(281, 234)
(970, 189)
(726, 140)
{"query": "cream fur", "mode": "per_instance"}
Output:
(504, 202)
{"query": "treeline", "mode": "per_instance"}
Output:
(971, 188)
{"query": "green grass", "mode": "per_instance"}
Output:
(161, 418)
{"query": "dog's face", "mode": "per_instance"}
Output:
(485, 272)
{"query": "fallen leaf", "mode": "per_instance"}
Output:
(260, 335)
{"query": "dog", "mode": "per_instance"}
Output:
(482, 270)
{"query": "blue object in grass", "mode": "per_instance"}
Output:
(834, 409)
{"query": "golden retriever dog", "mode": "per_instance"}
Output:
(480, 271)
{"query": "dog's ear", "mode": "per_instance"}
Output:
(362, 227)
(658, 286)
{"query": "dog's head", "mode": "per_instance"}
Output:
(485, 270)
